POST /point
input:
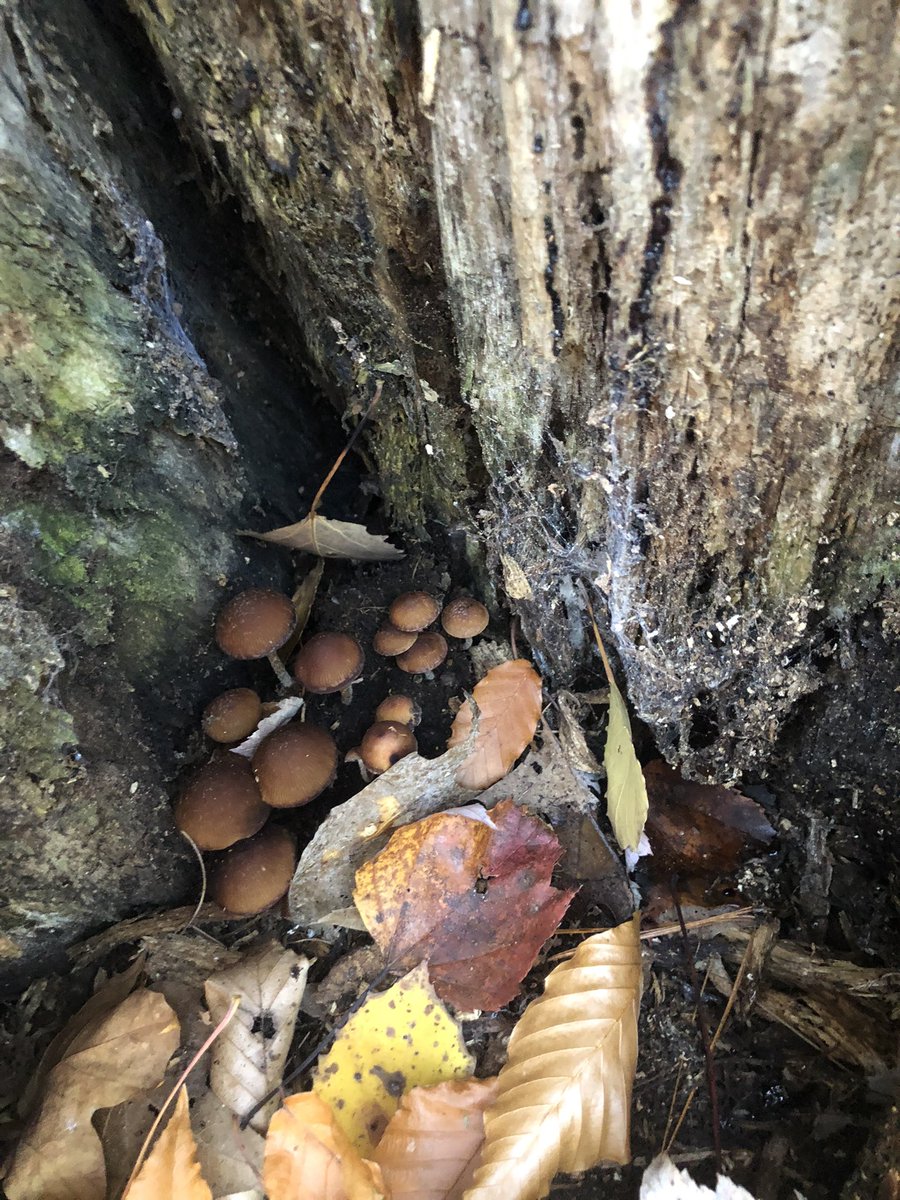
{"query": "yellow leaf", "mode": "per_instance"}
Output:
(509, 706)
(171, 1171)
(564, 1099)
(308, 1155)
(111, 1060)
(626, 791)
(331, 539)
(429, 1147)
(398, 1039)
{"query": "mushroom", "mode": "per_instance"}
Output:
(221, 804)
(295, 764)
(232, 715)
(464, 617)
(329, 662)
(413, 611)
(256, 623)
(427, 652)
(255, 873)
(389, 641)
(385, 744)
(399, 708)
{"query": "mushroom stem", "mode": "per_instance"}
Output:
(278, 667)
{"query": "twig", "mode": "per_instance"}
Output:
(317, 499)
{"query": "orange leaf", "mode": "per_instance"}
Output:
(428, 1149)
(475, 901)
(308, 1155)
(509, 705)
(171, 1171)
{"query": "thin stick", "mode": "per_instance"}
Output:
(703, 1026)
(671, 1112)
(196, 849)
(317, 499)
(232, 1009)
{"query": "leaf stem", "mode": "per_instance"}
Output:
(317, 499)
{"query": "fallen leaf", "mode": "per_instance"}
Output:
(413, 788)
(515, 581)
(231, 1158)
(398, 1039)
(60, 1157)
(698, 829)
(626, 793)
(171, 1170)
(330, 539)
(285, 710)
(309, 1155)
(572, 736)
(509, 706)
(564, 1094)
(429, 1149)
(476, 902)
(248, 1058)
(662, 1180)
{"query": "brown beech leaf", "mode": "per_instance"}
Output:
(248, 1059)
(564, 1094)
(331, 539)
(109, 1061)
(473, 901)
(509, 706)
(171, 1170)
(308, 1155)
(428, 1151)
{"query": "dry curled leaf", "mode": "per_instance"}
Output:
(231, 1158)
(111, 1060)
(473, 899)
(509, 706)
(564, 1094)
(309, 1156)
(662, 1180)
(248, 1059)
(626, 792)
(171, 1170)
(429, 1149)
(331, 539)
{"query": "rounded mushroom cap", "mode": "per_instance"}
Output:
(329, 662)
(399, 708)
(389, 641)
(255, 873)
(255, 623)
(221, 804)
(413, 611)
(385, 744)
(295, 764)
(427, 652)
(232, 716)
(464, 617)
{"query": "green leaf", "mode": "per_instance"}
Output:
(626, 792)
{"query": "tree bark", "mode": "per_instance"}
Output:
(631, 269)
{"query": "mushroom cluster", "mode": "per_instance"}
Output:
(226, 805)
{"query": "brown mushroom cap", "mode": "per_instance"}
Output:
(399, 708)
(413, 611)
(221, 804)
(328, 662)
(464, 617)
(427, 652)
(254, 873)
(295, 764)
(232, 716)
(390, 641)
(255, 623)
(385, 744)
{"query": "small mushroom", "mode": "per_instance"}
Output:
(232, 715)
(255, 873)
(464, 617)
(427, 652)
(295, 764)
(385, 744)
(413, 611)
(221, 804)
(389, 641)
(329, 662)
(256, 623)
(399, 708)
